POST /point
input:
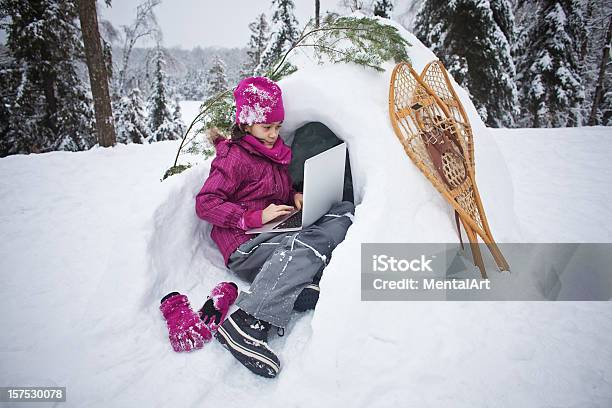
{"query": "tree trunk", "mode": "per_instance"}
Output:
(98, 77)
(602, 71)
(317, 9)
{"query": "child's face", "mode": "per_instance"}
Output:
(266, 133)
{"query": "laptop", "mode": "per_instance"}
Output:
(323, 187)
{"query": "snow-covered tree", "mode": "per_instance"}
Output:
(48, 105)
(5, 102)
(171, 129)
(158, 111)
(193, 85)
(130, 118)
(382, 8)
(407, 15)
(606, 105)
(595, 60)
(351, 5)
(160, 119)
(177, 119)
(217, 80)
(473, 39)
(260, 35)
(548, 64)
(144, 26)
(284, 33)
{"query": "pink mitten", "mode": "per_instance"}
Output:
(185, 329)
(217, 304)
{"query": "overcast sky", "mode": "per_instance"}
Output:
(188, 23)
(222, 23)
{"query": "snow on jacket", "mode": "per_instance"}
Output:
(242, 182)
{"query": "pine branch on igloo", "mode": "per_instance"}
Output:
(360, 40)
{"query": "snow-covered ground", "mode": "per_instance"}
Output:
(568, 196)
(91, 241)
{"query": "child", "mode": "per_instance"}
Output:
(249, 185)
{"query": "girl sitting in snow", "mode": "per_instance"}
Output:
(249, 185)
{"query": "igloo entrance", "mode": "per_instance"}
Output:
(310, 140)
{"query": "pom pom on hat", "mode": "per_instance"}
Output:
(258, 100)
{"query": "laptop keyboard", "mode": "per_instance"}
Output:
(294, 221)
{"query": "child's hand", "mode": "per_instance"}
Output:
(298, 200)
(273, 211)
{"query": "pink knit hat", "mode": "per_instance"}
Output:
(258, 100)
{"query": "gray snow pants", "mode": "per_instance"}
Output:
(281, 264)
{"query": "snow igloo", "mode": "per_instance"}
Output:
(394, 202)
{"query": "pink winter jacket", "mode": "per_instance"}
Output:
(242, 182)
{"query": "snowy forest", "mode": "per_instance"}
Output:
(64, 72)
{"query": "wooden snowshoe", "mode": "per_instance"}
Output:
(436, 77)
(441, 147)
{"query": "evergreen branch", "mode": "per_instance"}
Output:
(311, 32)
(208, 104)
(371, 43)
(350, 26)
(349, 56)
(324, 47)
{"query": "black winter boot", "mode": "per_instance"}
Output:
(246, 338)
(309, 296)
